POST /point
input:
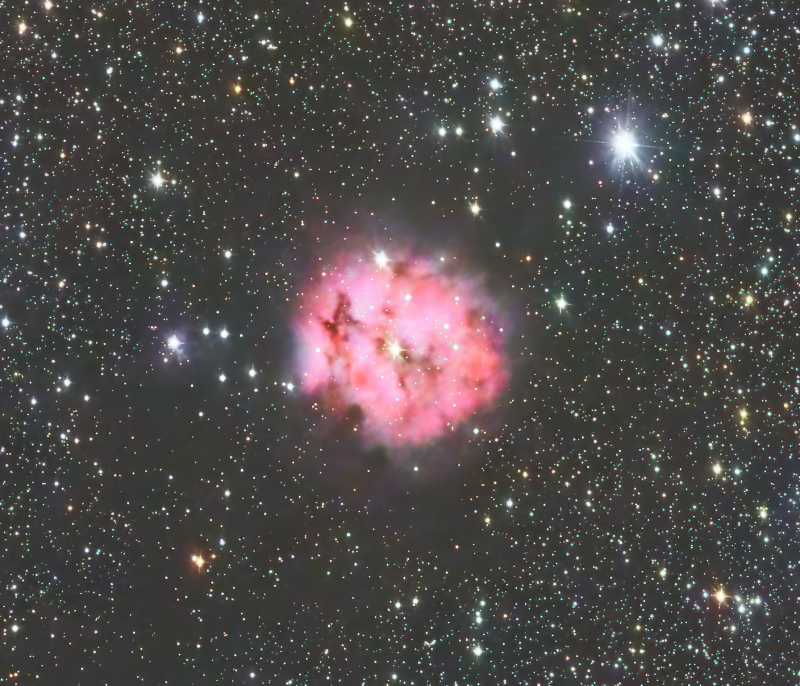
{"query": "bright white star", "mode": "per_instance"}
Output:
(174, 342)
(381, 260)
(395, 349)
(157, 179)
(496, 124)
(561, 303)
(625, 143)
(495, 84)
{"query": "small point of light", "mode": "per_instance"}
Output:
(290, 386)
(408, 297)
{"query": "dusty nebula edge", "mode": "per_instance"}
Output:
(415, 349)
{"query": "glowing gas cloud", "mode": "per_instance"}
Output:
(418, 351)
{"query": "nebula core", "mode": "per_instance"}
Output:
(418, 351)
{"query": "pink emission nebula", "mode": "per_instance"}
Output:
(416, 350)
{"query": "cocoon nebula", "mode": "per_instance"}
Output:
(407, 349)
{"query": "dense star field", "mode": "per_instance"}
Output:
(190, 496)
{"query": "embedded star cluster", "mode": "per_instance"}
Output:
(407, 345)
(623, 508)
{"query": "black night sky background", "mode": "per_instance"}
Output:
(620, 176)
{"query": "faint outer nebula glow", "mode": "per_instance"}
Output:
(416, 350)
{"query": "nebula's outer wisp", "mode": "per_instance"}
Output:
(418, 351)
